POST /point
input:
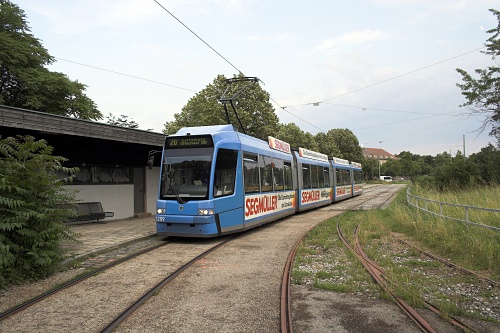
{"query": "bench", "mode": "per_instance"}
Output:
(90, 211)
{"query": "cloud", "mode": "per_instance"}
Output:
(356, 37)
(68, 18)
(268, 38)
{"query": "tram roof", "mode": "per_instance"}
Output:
(198, 130)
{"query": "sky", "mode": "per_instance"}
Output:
(384, 69)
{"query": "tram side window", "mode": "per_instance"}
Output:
(342, 178)
(225, 172)
(314, 176)
(306, 176)
(266, 173)
(326, 177)
(348, 177)
(288, 176)
(278, 176)
(358, 177)
(251, 173)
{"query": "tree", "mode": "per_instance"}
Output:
(393, 168)
(33, 207)
(483, 94)
(25, 82)
(296, 137)
(487, 161)
(252, 105)
(327, 144)
(121, 121)
(348, 144)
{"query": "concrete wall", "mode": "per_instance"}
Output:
(118, 199)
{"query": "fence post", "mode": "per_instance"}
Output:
(467, 216)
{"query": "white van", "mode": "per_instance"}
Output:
(386, 178)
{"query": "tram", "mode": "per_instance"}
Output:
(215, 181)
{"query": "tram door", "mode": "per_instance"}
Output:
(226, 191)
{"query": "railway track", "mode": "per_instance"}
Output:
(377, 196)
(373, 197)
(67, 284)
(380, 277)
(219, 288)
(142, 299)
(48, 311)
(450, 264)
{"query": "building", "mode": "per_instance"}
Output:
(378, 154)
(112, 159)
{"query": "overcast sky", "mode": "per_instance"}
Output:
(385, 69)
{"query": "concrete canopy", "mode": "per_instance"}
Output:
(82, 141)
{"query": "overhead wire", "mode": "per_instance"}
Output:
(422, 130)
(397, 122)
(123, 74)
(389, 110)
(185, 26)
(387, 80)
(284, 107)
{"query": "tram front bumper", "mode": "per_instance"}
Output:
(184, 219)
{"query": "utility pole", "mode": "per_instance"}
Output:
(380, 145)
(464, 146)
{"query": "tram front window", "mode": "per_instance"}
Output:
(186, 174)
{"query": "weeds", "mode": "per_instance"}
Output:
(324, 262)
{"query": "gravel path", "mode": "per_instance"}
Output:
(91, 304)
(235, 289)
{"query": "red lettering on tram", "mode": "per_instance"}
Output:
(258, 205)
(309, 196)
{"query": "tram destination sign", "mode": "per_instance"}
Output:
(192, 141)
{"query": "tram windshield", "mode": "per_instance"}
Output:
(186, 174)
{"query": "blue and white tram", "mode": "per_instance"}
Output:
(216, 181)
(357, 178)
(342, 179)
(314, 179)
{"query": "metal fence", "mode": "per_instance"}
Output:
(455, 212)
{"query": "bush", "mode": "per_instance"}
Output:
(452, 174)
(33, 208)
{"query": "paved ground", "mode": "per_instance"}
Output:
(96, 237)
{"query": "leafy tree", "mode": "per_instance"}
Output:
(252, 105)
(121, 121)
(25, 82)
(487, 161)
(327, 144)
(347, 143)
(393, 168)
(454, 173)
(483, 94)
(296, 137)
(33, 207)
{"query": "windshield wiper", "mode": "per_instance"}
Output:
(170, 190)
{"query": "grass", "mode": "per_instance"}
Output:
(484, 197)
(322, 260)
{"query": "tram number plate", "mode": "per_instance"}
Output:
(160, 219)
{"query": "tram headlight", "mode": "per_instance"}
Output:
(161, 211)
(205, 211)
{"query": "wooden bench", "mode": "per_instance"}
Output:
(90, 211)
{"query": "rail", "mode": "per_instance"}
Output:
(416, 201)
